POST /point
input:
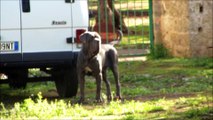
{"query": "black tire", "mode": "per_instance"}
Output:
(18, 78)
(66, 82)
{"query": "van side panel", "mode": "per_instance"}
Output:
(10, 36)
(45, 34)
(80, 9)
(47, 26)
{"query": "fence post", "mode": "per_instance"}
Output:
(151, 33)
(99, 17)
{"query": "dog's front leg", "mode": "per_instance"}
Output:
(98, 85)
(82, 83)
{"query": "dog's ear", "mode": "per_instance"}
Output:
(97, 38)
(83, 37)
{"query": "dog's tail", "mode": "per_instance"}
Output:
(118, 39)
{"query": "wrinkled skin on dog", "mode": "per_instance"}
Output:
(96, 59)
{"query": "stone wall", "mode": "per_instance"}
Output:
(201, 27)
(184, 26)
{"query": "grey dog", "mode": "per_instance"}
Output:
(95, 58)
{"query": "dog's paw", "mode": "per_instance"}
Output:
(109, 98)
(99, 100)
(117, 98)
(81, 101)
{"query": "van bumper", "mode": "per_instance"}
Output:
(37, 60)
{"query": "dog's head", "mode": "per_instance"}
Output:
(91, 43)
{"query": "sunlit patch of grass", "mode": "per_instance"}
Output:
(122, 4)
(137, 21)
(134, 39)
(41, 108)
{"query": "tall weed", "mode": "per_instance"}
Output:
(159, 51)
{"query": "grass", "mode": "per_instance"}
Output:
(60, 109)
(134, 40)
(171, 88)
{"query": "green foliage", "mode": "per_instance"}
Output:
(202, 62)
(197, 113)
(159, 51)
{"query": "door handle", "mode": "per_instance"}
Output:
(26, 6)
(69, 1)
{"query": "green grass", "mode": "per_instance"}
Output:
(134, 40)
(138, 34)
(172, 88)
(32, 89)
(60, 109)
(168, 76)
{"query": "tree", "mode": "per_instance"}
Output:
(119, 22)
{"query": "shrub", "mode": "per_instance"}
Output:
(159, 51)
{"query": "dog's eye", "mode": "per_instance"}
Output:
(95, 37)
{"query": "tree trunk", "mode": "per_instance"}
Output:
(119, 22)
(114, 21)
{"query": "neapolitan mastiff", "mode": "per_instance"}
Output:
(95, 58)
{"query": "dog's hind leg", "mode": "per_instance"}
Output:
(113, 64)
(114, 69)
(109, 95)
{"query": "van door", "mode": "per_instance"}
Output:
(10, 36)
(46, 25)
(81, 19)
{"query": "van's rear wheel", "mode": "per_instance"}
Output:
(18, 78)
(66, 82)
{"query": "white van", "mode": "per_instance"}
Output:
(42, 34)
